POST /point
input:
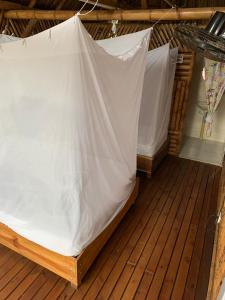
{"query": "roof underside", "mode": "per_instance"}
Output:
(126, 4)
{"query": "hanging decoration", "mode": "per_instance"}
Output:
(214, 75)
(113, 32)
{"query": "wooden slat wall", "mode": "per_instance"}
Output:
(163, 34)
(180, 99)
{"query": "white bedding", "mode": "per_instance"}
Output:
(69, 115)
(156, 100)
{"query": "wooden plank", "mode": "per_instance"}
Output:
(194, 269)
(153, 278)
(203, 281)
(157, 264)
(62, 265)
(182, 274)
(86, 258)
(133, 216)
(108, 267)
(173, 265)
(16, 279)
(11, 260)
(170, 214)
(70, 268)
(56, 291)
(136, 244)
(21, 288)
(140, 265)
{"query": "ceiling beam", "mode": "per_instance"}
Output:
(11, 5)
(128, 15)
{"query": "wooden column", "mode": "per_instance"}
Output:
(180, 100)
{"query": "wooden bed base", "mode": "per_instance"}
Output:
(71, 268)
(150, 164)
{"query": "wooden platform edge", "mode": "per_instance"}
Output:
(149, 164)
(70, 268)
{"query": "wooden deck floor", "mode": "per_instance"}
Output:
(161, 250)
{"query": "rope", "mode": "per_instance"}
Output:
(163, 17)
(88, 12)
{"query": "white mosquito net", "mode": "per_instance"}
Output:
(69, 115)
(4, 38)
(156, 99)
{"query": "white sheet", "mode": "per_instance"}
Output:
(156, 100)
(69, 115)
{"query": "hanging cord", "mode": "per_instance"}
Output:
(88, 12)
(163, 17)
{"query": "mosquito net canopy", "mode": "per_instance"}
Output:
(4, 38)
(156, 99)
(69, 115)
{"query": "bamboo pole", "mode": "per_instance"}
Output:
(127, 15)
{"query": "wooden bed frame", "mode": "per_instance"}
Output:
(149, 164)
(71, 268)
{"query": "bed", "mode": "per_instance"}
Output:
(67, 144)
(155, 108)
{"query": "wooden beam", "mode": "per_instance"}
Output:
(60, 5)
(110, 2)
(1, 18)
(11, 5)
(32, 3)
(144, 4)
(126, 15)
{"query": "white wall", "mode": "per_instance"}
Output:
(193, 120)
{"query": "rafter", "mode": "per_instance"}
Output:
(144, 4)
(1, 18)
(7, 5)
(110, 2)
(32, 3)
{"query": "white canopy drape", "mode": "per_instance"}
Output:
(156, 99)
(69, 115)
